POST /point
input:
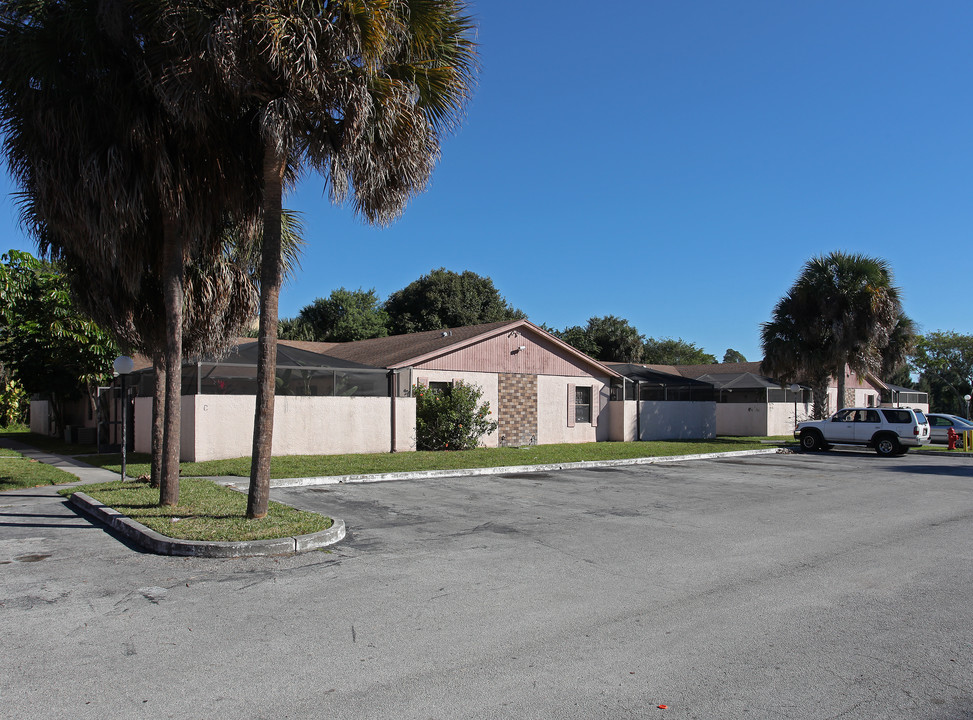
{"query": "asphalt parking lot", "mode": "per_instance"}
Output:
(783, 586)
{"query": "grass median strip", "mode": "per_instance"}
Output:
(206, 511)
(328, 465)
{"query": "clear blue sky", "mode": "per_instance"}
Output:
(675, 163)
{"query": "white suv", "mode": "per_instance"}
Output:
(891, 431)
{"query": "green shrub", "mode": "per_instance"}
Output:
(451, 419)
(14, 403)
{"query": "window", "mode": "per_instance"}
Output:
(898, 416)
(871, 416)
(440, 388)
(582, 404)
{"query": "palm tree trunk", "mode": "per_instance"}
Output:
(840, 377)
(158, 418)
(270, 279)
(173, 272)
(819, 395)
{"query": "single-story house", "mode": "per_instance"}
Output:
(541, 390)
(357, 396)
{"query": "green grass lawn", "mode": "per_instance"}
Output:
(137, 464)
(18, 472)
(325, 465)
(206, 511)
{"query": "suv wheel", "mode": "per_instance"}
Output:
(810, 441)
(887, 446)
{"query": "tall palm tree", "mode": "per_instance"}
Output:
(109, 171)
(842, 312)
(358, 91)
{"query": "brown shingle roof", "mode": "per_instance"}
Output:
(396, 349)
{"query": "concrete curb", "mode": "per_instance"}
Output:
(471, 472)
(163, 545)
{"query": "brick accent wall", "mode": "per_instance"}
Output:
(517, 411)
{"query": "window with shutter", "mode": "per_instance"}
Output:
(582, 403)
(571, 405)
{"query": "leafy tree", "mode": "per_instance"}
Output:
(578, 337)
(609, 338)
(944, 361)
(451, 419)
(843, 310)
(444, 299)
(616, 340)
(667, 351)
(345, 316)
(290, 329)
(45, 343)
(14, 400)
(733, 356)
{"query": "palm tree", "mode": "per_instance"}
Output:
(360, 92)
(108, 171)
(842, 312)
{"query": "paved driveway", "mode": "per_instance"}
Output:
(786, 586)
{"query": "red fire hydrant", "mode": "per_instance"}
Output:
(951, 437)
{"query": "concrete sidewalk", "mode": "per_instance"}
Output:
(85, 473)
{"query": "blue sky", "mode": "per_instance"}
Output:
(676, 162)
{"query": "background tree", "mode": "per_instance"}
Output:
(578, 337)
(944, 361)
(616, 339)
(667, 351)
(46, 345)
(444, 299)
(609, 339)
(345, 316)
(843, 311)
(290, 329)
(733, 356)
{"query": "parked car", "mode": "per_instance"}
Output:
(891, 431)
(940, 423)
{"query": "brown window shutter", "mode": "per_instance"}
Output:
(571, 407)
(423, 381)
(595, 405)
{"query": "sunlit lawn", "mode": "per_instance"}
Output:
(206, 511)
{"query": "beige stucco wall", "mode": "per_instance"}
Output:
(221, 426)
(741, 419)
(780, 417)
(622, 421)
(678, 420)
(489, 384)
(39, 421)
(187, 420)
(759, 419)
(552, 411)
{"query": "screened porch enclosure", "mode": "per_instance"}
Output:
(300, 373)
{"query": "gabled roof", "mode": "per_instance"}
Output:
(402, 350)
(399, 351)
